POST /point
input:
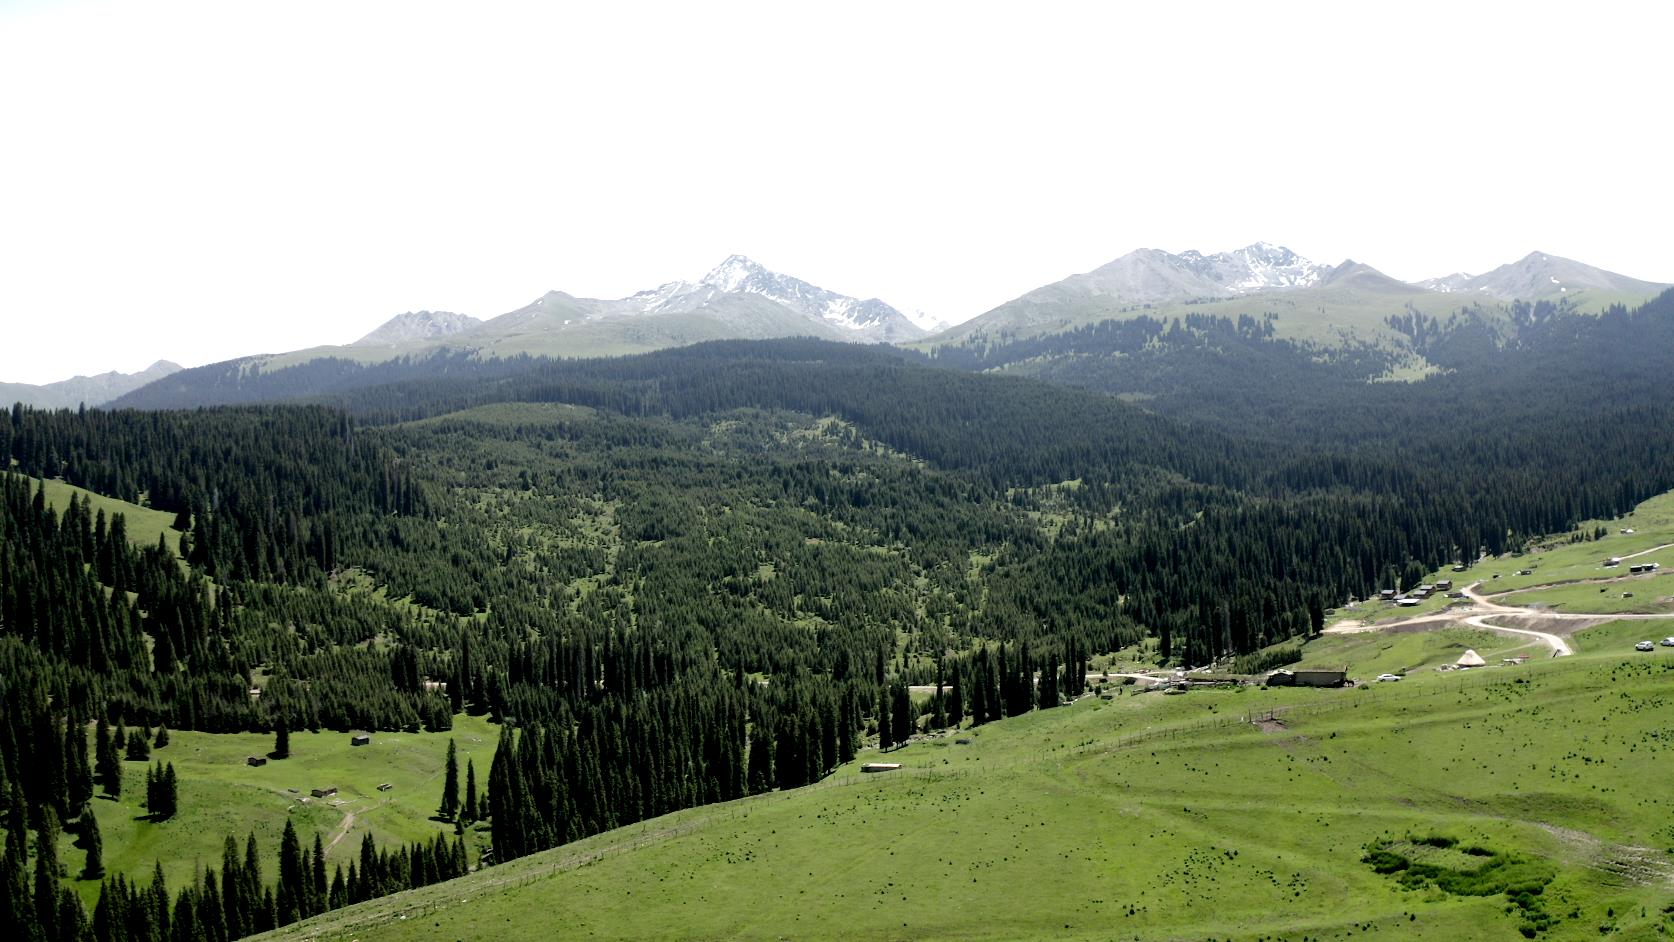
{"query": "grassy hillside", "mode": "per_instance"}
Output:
(144, 524)
(1155, 817)
(1328, 316)
(1566, 572)
(221, 795)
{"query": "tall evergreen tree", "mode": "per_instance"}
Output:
(450, 784)
(470, 812)
(318, 887)
(291, 897)
(93, 842)
(282, 741)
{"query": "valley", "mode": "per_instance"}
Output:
(666, 608)
(421, 520)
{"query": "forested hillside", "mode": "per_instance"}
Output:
(698, 574)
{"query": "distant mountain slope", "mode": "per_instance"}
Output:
(738, 299)
(416, 327)
(1348, 304)
(1309, 300)
(1538, 276)
(84, 390)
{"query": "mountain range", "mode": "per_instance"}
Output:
(1347, 304)
(1318, 303)
(85, 390)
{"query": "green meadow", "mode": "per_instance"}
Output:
(1150, 816)
(220, 795)
(144, 525)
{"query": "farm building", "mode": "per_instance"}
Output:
(1442, 585)
(880, 767)
(360, 739)
(1386, 594)
(323, 792)
(255, 760)
(1470, 659)
(1307, 678)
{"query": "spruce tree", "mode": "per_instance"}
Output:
(471, 811)
(903, 714)
(886, 723)
(107, 760)
(235, 915)
(47, 872)
(450, 784)
(171, 790)
(139, 746)
(956, 699)
(282, 741)
(94, 868)
(78, 774)
(292, 895)
(318, 887)
(162, 737)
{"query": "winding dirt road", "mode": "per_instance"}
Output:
(1483, 607)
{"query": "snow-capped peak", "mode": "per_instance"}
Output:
(733, 273)
(738, 275)
(1260, 266)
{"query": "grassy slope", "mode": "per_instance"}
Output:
(1329, 316)
(144, 524)
(1093, 822)
(221, 795)
(1560, 566)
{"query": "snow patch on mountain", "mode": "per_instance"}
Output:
(867, 320)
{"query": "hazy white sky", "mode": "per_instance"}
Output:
(199, 181)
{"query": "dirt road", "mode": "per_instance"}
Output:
(1483, 607)
(342, 830)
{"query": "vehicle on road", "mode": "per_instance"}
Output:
(1385, 678)
(1668, 642)
(1644, 646)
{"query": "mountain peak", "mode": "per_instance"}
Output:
(733, 273)
(1540, 275)
(416, 326)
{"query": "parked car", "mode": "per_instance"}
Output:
(1644, 646)
(1389, 677)
(1668, 642)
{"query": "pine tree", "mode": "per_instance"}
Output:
(94, 868)
(450, 784)
(886, 723)
(282, 741)
(318, 887)
(956, 698)
(471, 812)
(47, 872)
(78, 774)
(292, 895)
(71, 917)
(171, 790)
(107, 760)
(903, 715)
(235, 909)
(139, 746)
(162, 737)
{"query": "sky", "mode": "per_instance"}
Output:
(199, 181)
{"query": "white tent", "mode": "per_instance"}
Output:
(1470, 659)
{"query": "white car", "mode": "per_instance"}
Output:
(1388, 677)
(1644, 646)
(1668, 642)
